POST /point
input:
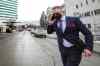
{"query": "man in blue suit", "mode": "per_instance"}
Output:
(67, 30)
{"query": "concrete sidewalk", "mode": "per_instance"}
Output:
(97, 47)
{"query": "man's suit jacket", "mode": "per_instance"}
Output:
(71, 33)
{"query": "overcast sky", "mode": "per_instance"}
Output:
(30, 10)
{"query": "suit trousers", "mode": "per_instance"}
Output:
(70, 56)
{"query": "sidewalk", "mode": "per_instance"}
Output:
(97, 47)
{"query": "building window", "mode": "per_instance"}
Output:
(92, 13)
(81, 4)
(76, 14)
(77, 6)
(97, 11)
(87, 14)
(93, 0)
(81, 15)
(99, 1)
(87, 2)
(89, 25)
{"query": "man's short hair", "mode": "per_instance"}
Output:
(59, 7)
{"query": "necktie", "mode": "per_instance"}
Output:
(60, 25)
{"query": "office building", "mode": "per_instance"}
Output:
(8, 10)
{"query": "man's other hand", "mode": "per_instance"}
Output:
(51, 22)
(87, 53)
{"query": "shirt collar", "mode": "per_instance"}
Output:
(63, 18)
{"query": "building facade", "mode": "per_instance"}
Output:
(8, 10)
(8, 13)
(81, 7)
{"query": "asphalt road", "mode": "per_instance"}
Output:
(22, 49)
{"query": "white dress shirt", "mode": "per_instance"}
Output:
(65, 42)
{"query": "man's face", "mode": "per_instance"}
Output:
(57, 10)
